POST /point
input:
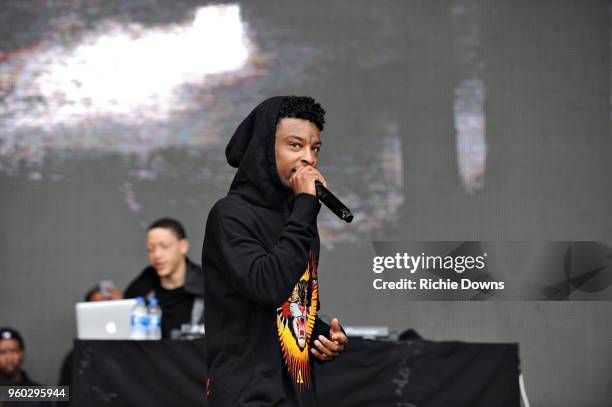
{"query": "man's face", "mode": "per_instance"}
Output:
(297, 144)
(113, 294)
(165, 250)
(11, 356)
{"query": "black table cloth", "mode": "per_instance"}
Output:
(407, 373)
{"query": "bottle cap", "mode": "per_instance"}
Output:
(153, 301)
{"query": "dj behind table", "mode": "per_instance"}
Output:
(371, 372)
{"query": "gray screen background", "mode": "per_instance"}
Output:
(394, 78)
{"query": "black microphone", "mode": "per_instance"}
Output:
(333, 203)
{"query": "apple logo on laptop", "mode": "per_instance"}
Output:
(111, 328)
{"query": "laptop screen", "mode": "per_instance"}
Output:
(104, 319)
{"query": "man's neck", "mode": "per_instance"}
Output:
(176, 279)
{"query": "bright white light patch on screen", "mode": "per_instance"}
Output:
(470, 93)
(127, 70)
(470, 126)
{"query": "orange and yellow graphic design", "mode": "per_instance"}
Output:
(295, 321)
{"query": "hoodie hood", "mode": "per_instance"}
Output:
(251, 150)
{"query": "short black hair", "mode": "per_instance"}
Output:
(172, 224)
(302, 107)
(10, 333)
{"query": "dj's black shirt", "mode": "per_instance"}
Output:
(176, 304)
(176, 307)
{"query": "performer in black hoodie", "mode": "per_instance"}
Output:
(260, 256)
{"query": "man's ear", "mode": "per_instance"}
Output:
(184, 246)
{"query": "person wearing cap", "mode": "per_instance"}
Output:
(11, 357)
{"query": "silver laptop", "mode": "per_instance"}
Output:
(104, 319)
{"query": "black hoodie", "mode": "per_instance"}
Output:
(260, 259)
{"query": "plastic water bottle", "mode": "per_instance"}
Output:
(155, 317)
(139, 320)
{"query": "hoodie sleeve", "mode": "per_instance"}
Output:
(266, 277)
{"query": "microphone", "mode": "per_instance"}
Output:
(333, 203)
